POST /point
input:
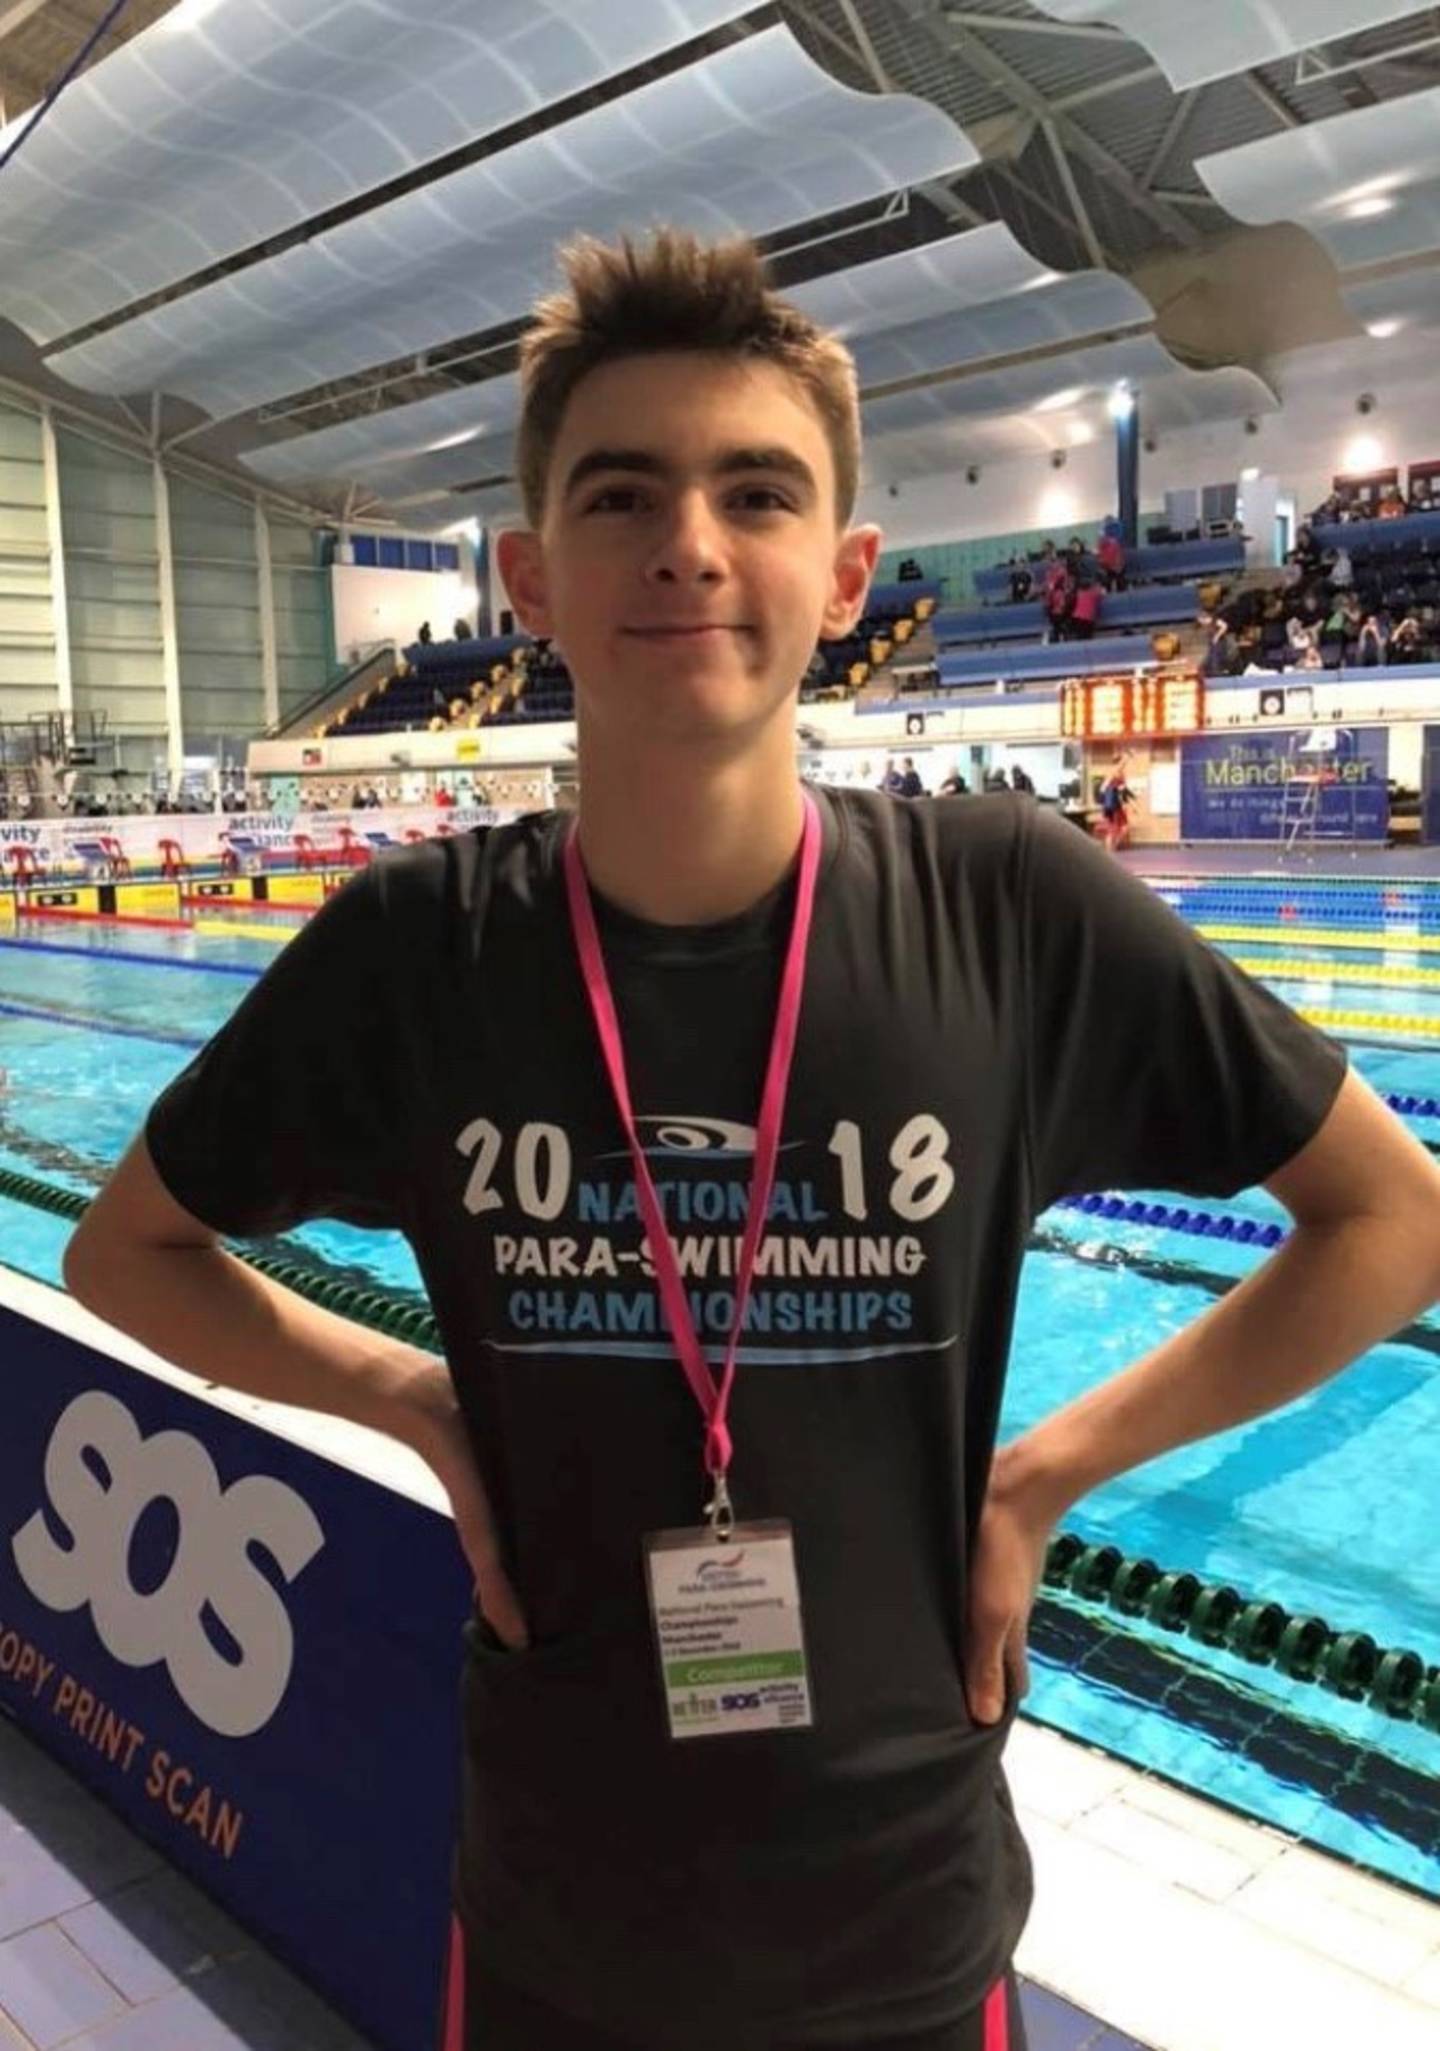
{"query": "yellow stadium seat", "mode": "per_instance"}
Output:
(880, 648)
(903, 630)
(924, 607)
(437, 725)
(859, 671)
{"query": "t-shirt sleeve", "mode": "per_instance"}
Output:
(1155, 1063)
(290, 1112)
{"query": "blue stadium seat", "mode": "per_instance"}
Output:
(1148, 565)
(1417, 532)
(1049, 659)
(1152, 605)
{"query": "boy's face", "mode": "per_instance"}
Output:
(689, 557)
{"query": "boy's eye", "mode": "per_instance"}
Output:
(764, 498)
(615, 498)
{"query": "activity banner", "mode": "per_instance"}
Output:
(1234, 787)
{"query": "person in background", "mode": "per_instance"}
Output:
(1059, 598)
(954, 785)
(1373, 639)
(892, 782)
(1219, 656)
(1405, 642)
(461, 631)
(910, 784)
(1391, 505)
(1022, 583)
(1020, 779)
(909, 571)
(1115, 798)
(1085, 608)
(425, 637)
(1339, 570)
(1110, 554)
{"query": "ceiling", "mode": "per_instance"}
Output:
(298, 238)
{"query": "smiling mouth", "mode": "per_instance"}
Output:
(681, 633)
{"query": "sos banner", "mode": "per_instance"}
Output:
(250, 1653)
(1234, 788)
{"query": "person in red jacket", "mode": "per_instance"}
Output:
(1110, 554)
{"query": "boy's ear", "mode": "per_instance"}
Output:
(855, 558)
(521, 563)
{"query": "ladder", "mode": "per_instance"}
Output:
(1299, 811)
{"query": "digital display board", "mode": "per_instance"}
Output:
(1130, 707)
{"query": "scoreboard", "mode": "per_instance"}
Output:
(1132, 707)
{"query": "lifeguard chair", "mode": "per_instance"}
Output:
(173, 865)
(1309, 769)
(25, 865)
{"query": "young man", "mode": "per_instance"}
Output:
(564, 1064)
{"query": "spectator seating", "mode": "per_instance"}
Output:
(1152, 605)
(1047, 659)
(1151, 564)
(1416, 534)
(916, 599)
(892, 613)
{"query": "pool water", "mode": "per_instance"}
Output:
(1323, 1507)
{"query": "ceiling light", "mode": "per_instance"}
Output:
(1382, 330)
(1249, 473)
(188, 14)
(1366, 209)
(1058, 401)
(1078, 433)
(1362, 453)
(1121, 403)
(1038, 284)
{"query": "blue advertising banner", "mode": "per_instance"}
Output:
(1233, 787)
(250, 1653)
(1430, 788)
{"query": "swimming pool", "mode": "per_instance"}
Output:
(1321, 1508)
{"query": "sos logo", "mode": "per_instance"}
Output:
(101, 1476)
(735, 1702)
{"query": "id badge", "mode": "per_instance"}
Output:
(728, 1630)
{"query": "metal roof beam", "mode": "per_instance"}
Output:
(1174, 127)
(1095, 32)
(1270, 100)
(1072, 193)
(15, 13)
(985, 60)
(1083, 95)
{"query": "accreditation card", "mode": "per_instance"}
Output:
(728, 1630)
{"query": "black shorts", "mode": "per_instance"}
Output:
(482, 2013)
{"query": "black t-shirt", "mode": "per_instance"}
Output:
(994, 1014)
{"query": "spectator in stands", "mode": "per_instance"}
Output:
(1339, 570)
(1220, 650)
(357, 799)
(1111, 557)
(910, 784)
(461, 631)
(1306, 554)
(1059, 598)
(1373, 639)
(1405, 642)
(909, 571)
(425, 637)
(892, 782)
(954, 785)
(1085, 609)
(1391, 505)
(1022, 583)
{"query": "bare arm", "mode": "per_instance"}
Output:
(141, 1262)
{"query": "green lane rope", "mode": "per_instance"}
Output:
(408, 1321)
(1351, 1664)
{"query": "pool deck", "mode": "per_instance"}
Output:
(1326, 860)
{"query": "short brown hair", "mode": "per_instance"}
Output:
(673, 291)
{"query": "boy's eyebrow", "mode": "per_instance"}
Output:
(645, 463)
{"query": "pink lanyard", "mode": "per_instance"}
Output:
(714, 1401)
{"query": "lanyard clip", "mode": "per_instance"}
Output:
(720, 1510)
